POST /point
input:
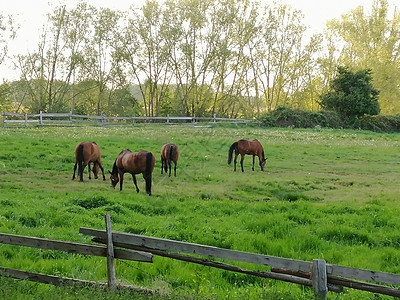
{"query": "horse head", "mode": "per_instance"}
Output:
(114, 179)
(96, 168)
(262, 163)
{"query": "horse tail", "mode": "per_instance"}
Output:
(80, 159)
(148, 172)
(172, 153)
(233, 147)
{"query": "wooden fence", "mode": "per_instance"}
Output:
(318, 274)
(70, 119)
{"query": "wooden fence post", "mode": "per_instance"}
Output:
(215, 118)
(26, 120)
(4, 118)
(70, 117)
(41, 118)
(319, 279)
(112, 285)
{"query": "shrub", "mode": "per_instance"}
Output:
(296, 118)
(352, 94)
(287, 117)
(94, 202)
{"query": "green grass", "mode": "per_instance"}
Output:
(328, 194)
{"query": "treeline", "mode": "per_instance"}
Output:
(198, 57)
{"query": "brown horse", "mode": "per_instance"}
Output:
(133, 163)
(86, 153)
(169, 154)
(244, 147)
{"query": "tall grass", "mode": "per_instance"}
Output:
(327, 194)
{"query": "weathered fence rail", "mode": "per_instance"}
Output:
(77, 248)
(321, 276)
(70, 119)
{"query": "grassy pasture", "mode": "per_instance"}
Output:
(328, 194)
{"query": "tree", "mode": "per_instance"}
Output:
(101, 60)
(46, 72)
(371, 42)
(352, 94)
(145, 46)
(7, 32)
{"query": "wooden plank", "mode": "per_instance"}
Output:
(58, 115)
(56, 280)
(73, 247)
(112, 280)
(365, 286)
(55, 121)
(319, 279)
(208, 251)
(361, 274)
(331, 287)
(13, 114)
(214, 264)
(22, 121)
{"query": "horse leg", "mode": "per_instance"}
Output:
(83, 166)
(162, 165)
(175, 168)
(169, 167)
(241, 161)
(253, 163)
(102, 170)
(234, 166)
(135, 182)
(95, 169)
(89, 169)
(73, 176)
(121, 180)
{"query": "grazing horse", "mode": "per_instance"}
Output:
(244, 147)
(133, 163)
(169, 154)
(86, 153)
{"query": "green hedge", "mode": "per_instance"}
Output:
(296, 118)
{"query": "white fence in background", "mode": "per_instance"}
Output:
(70, 119)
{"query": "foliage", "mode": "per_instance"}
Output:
(287, 117)
(352, 94)
(380, 123)
(7, 33)
(240, 58)
(296, 118)
(320, 197)
(369, 41)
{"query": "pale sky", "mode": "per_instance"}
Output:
(31, 15)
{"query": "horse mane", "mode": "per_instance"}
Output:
(115, 168)
(126, 150)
